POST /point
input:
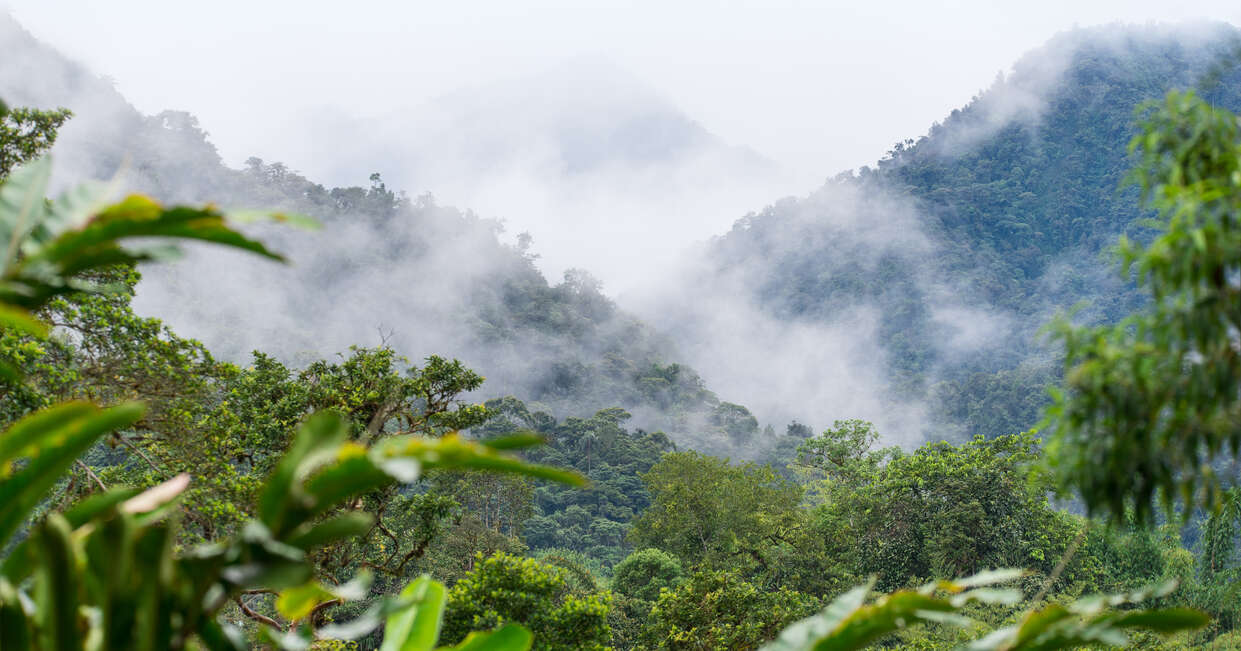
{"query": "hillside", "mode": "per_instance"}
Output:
(421, 277)
(320, 473)
(959, 245)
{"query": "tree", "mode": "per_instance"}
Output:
(706, 510)
(717, 610)
(941, 511)
(845, 453)
(645, 573)
(25, 133)
(1150, 403)
(107, 572)
(505, 588)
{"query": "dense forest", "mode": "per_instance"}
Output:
(430, 444)
(1003, 212)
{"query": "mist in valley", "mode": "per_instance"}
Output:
(582, 173)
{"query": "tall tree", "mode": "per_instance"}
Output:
(1152, 405)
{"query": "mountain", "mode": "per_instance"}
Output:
(940, 263)
(411, 273)
(581, 117)
(583, 156)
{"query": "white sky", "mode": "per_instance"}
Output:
(818, 86)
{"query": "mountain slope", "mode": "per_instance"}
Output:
(955, 248)
(421, 277)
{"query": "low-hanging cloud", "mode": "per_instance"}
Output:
(790, 312)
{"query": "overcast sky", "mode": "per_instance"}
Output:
(817, 86)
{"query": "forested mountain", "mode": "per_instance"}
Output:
(386, 269)
(958, 245)
(581, 117)
(307, 486)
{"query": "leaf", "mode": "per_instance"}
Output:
(19, 564)
(457, 453)
(19, 320)
(52, 439)
(71, 210)
(1167, 620)
(984, 578)
(354, 475)
(346, 525)
(297, 602)
(15, 630)
(314, 444)
(157, 496)
(848, 623)
(804, 633)
(300, 601)
(517, 441)
(58, 584)
(292, 219)
(1086, 622)
(510, 637)
(416, 627)
(139, 216)
(82, 233)
(22, 205)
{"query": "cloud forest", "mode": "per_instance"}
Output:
(982, 393)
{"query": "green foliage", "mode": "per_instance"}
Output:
(416, 626)
(108, 573)
(1151, 402)
(592, 520)
(720, 611)
(850, 623)
(1016, 194)
(1218, 590)
(504, 588)
(311, 536)
(706, 510)
(118, 556)
(1090, 621)
(36, 451)
(844, 453)
(25, 133)
(49, 245)
(943, 510)
(645, 573)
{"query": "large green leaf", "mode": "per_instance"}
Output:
(456, 452)
(417, 626)
(20, 563)
(1091, 621)
(510, 637)
(50, 440)
(322, 470)
(59, 586)
(336, 528)
(300, 601)
(848, 623)
(49, 246)
(15, 626)
(316, 443)
(22, 205)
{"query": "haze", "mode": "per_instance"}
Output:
(771, 75)
(815, 88)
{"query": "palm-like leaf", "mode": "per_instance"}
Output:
(849, 623)
(1091, 621)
